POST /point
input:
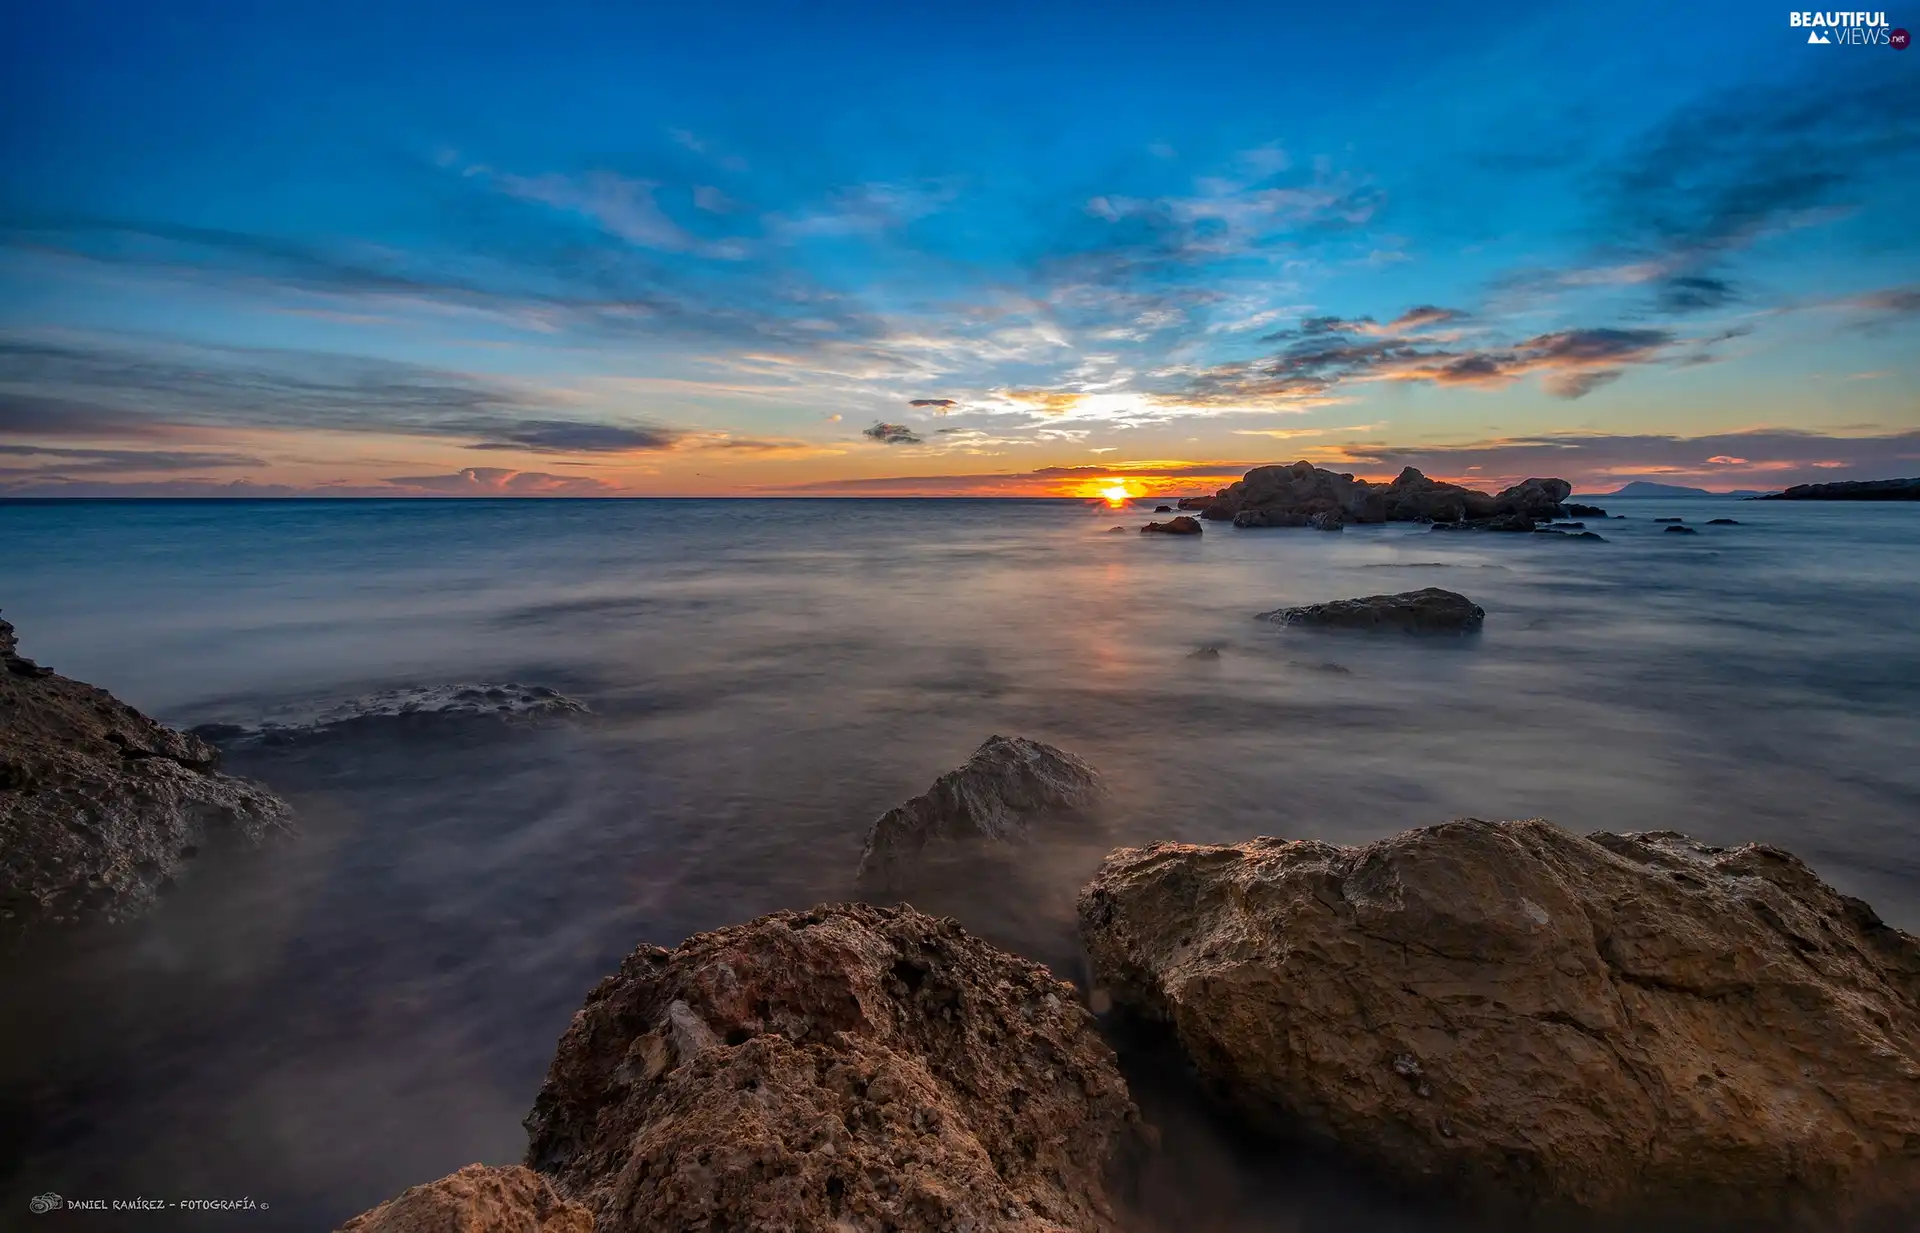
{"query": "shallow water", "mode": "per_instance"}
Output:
(374, 1005)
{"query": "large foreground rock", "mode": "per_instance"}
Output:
(851, 1068)
(477, 1199)
(1428, 611)
(1608, 1023)
(1008, 785)
(99, 805)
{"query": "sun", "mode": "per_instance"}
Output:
(1116, 495)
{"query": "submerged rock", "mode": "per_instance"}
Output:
(1510, 1009)
(1681, 531)
(1205, 652)
(1163, 509)
(1577, 510)
(406, 708)
(1723, 522)
(1592, 535)
(1008, 784)
(100, 805)
(1432, 610)
(1182, 525)
(851, 1067)
(477, 1199)
(1669, 519)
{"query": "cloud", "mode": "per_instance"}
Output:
(620, 206)
(576, 437)
(891, 434)
(499, 481)
(35, 415)
(55, 462)
(1326, 352)
(1687, 293)
(944, 404)
(1422, 316)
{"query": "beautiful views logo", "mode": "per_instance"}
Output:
(1855, 29)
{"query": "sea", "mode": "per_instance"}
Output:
(316, 1025)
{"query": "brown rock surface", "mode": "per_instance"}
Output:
(1182, 525)
(99, 805)
(477, 1199)
(1008, 784)
(1609, 1023)
(1431, 610)
(847, 1068)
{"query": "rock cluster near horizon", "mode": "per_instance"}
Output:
(1304, 495)
(99, 805)
(1502, 1010)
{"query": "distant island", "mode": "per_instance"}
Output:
(1851, 490)
(1647, 488)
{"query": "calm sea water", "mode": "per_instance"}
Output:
(373, 1005)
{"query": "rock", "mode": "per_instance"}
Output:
(1571, 526)
(1669, 519)
(1195, 502)
(1681, 531)
(1537, 499)
(1506, 522)
(1723, 522)
(1850, 490)
(100, 805)
(1428, 611)
(1182, 525)
(1577, 510)
(1413, 497)
(1331, 520)
(1206, 652)
(864, 1068)
(1275, 496)
(1589, 535)
(1112, 530)
(1163, 509)
(1007, 785)
(477, 1199)
(1303, 495)
(1548, 531)
(1607, 1023)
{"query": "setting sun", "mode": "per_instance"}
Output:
(1116, 495)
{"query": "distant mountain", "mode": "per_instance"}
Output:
(1647, 488)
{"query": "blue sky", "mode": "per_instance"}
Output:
(582, 248)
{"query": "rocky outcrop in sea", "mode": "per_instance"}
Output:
(100, 806)
(1182, 525)
(1008, 786)
(1515, 1012)
(1302, 495)
(1428, 611)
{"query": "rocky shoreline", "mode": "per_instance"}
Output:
(1502, 1012)
(101, 808)
(1850, 490)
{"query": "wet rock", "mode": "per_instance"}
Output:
(1536, 499)
(868, 1068)
(1113, 530)
(477, 1199)
(1571, 526)
(1277, 496)
(1206, 652)
(1607, 1023)
(99, 805)
(1576, 510)
(1432, 610)
(1331, 520)
(1195, 503)
(1669, 519)
(1182, 525)
(1681, 531)
(1163, 509)
(1412, 497)
(1592, 535)
(1723, 522)
(1009, 784)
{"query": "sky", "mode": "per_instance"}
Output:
(1032, 249)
